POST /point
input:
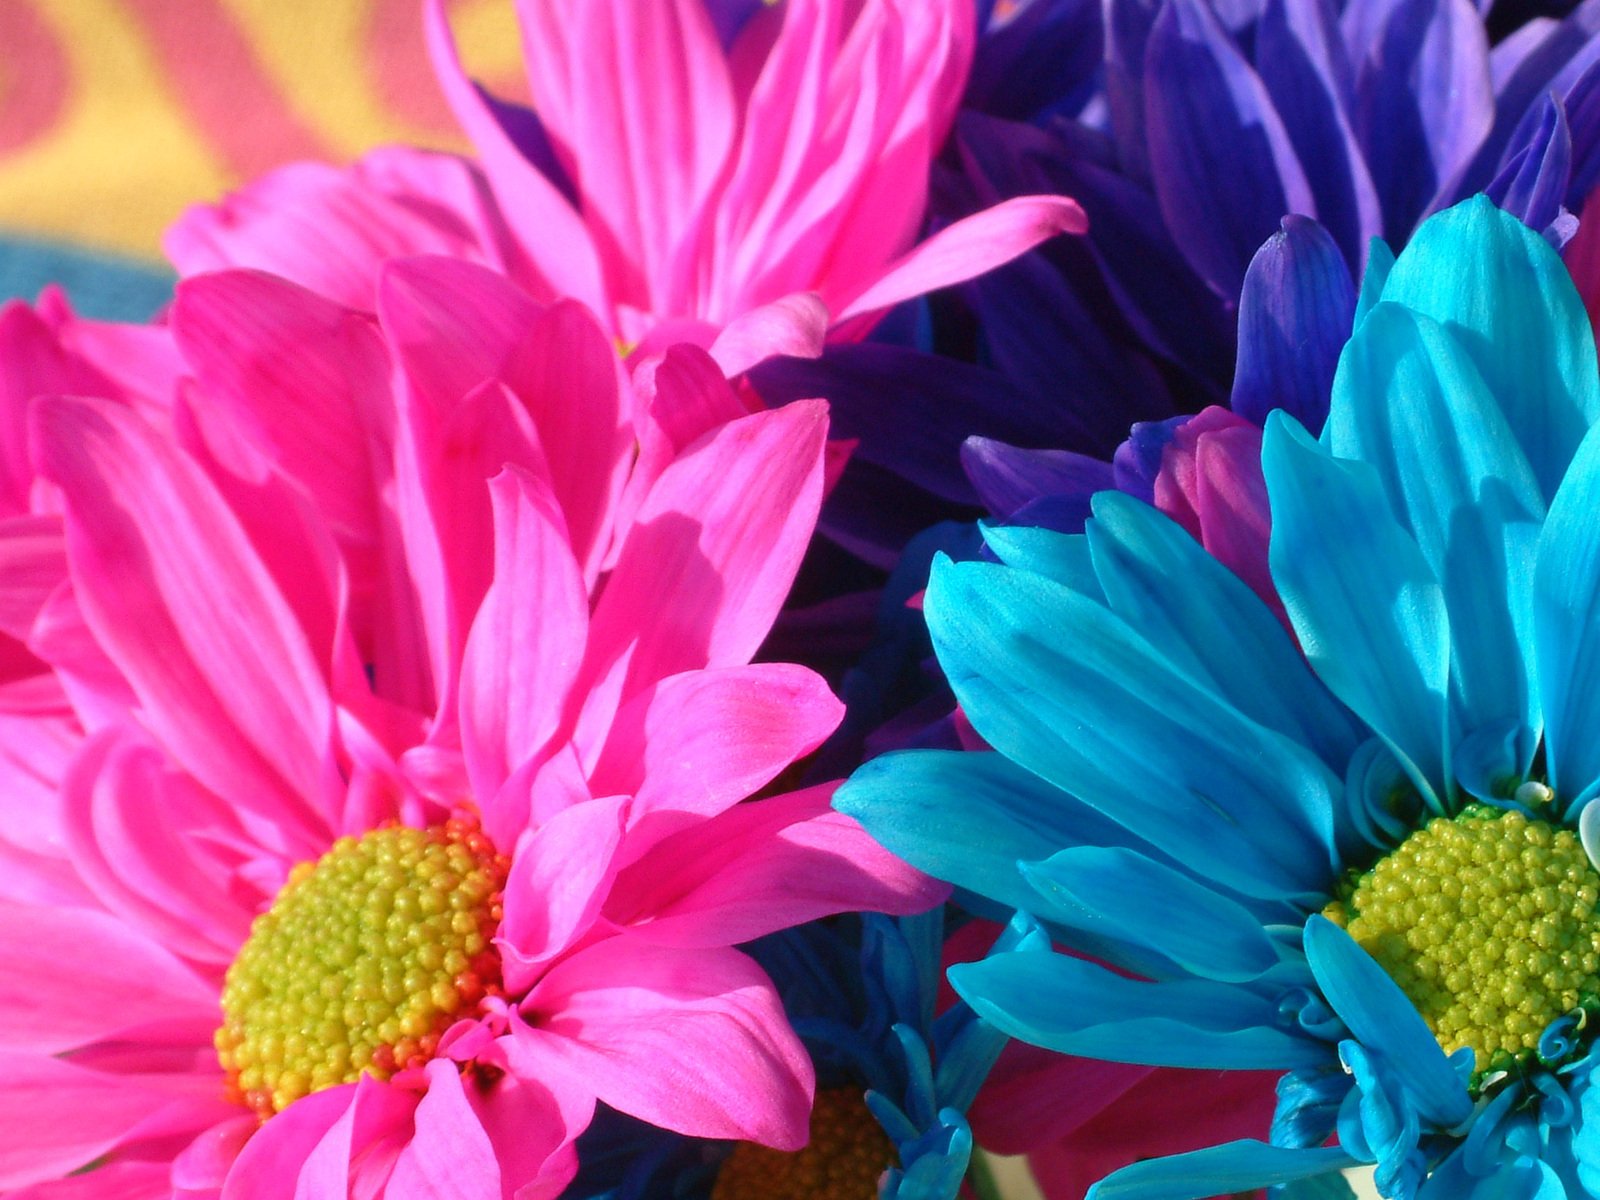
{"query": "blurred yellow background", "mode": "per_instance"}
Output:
(115, 114)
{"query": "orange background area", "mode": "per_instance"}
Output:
(116, 114)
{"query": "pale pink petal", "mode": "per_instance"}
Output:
(762, 867)
(550, 232)
(704, 740)
(178, 598)
(796, 325)
(696, 1042)
(721, 534)
(56, 1117)
(527, 641)
(67, 975)
(965, 249)
(559, 879)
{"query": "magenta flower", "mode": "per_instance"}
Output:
(672, 184)
(397, 839)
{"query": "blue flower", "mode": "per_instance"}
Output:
(1362, 856)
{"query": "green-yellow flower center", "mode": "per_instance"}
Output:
(365, 958)
(1487, 922)
(847, 1153)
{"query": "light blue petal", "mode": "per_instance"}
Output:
(1204, 618)
(1369, 613)
(1124, 894)
(1064, 688)
(1408, 401)
(1567, 629)
(1063, 557)
(1318, 1187)
(1218, 1170)
(1506, 297)
(1380, 261)
(1079, 1007)
(1381, 1018)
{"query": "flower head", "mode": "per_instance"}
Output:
(412, 712)
(1365, 860)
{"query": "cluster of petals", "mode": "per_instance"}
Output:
(693, 165)
(1203, 780)
(352, 569)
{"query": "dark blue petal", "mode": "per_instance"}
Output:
(1036, 59)
(1370, 615)
(1078, 1007)
(1128, 25)
(1301, 58)
(1295, 314)
(1382, 1019)
(1233, 1167)
(1221, 161)
(1534, 181)
(1007, 477)
(1423, 104)
(1582, 105)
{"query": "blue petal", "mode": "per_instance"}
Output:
(1124, 894)
(1566, 588)
(1409, 402)
(1067, 690)
(1318, 1187)
(1302, 60)
(1128, 24)
(1078, 1007)
(1295, 315)
(1506, 298)
(1233, 1167)
(1381, 1018)
(1223, 167)
(1214, 626)
(1380, 261)
(1059, 556)
(1377, 1123)
(1369, 613)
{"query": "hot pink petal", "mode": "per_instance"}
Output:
(180, 601)
(796, 325)
(695, 1042)
(970, 247)
(699, 742)
(449, 1154)
(762, 867)
(721, 533)
(559, 878)
(33, 562)
(552, 235)
(123, 1180)
(67, 977)
(527, 641)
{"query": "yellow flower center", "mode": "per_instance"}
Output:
(1487, 922)
(847, 1153)
(365, 958)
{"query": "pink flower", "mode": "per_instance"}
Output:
(675, 187)
(403, 819)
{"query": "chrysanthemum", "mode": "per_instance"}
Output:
(1364, 860)
(415, 713)
(670, 181)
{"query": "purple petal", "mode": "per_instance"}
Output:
(1035, 59)
(1533, 182)
(1008, 477)
(1295, 315)
(1223, 166)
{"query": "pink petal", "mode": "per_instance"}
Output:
(721, 533)
(550, 232)
(967, 248)
(796, 325)
(532, 1129)
(56, 1117)
(181, 602)
(559, 879)
(527, 641)
(763, 867)
(696, 1042)
(449, 1156)
(66, 981)
(33, 562)
(123, 1180)
(704, 740)
(325, 1146)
